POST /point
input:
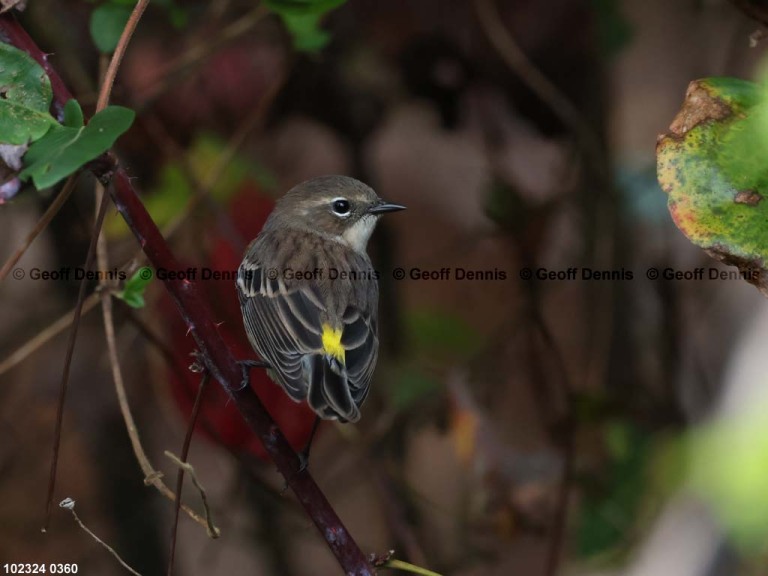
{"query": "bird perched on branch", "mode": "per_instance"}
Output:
(309, 295)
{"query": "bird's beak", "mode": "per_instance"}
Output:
(383, 207)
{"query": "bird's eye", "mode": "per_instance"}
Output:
(340, 207)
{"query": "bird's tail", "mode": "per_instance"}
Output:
(329, 395)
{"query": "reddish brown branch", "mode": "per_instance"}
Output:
(12, 33)
(199, 318)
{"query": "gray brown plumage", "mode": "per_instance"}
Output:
(309, 294)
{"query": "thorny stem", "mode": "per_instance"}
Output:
(199, 318)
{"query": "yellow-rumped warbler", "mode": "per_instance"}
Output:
(309, 294)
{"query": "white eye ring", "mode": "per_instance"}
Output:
(341, 207)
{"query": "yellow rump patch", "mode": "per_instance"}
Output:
(332, 343)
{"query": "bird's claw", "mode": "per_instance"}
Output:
(245, 366)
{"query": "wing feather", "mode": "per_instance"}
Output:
(284, 325)
(278, 335)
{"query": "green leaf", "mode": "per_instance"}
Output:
(23, 80)
(613, 29)
(173, 188)
(64, 149)
(164, 202)
(133, 291)
(19, 125)
(73, 114)
(410, 386)
(301, 7)
(712, 165)
(611, 502)
(178, 17)
(25, 96)
(507, 208)
(306, 33)
(439, 333)
(302, 19)
(133, 300)
(730, 470)
(107, 24)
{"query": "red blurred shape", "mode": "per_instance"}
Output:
(219, 420)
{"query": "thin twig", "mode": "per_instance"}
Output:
(550, 94)
(102, 211)
(564, 435)
(197, 484)
(183, 466)
(408, 567)
(216, 354)
(69, 504)
(41, 225)
(202, 186)
(41, 338)
(151, 476)
(594, 154)
(395, 513)
(117, 57)
(218, 358)
(199, 53)
(155, 341)
(253, 122)
(68, 363)
(568, 448)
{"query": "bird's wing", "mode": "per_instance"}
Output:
(285, 326)
(361, 342)
(282, 323)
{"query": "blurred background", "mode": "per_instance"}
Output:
(519, 423)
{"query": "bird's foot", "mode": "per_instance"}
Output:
(246, 366)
